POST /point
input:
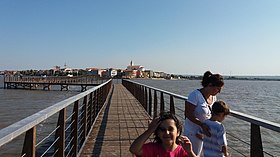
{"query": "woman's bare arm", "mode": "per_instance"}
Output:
(189, 113)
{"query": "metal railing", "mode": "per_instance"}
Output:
(155, 100)
(75, 118)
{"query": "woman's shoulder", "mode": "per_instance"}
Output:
(195, 96)
(195, 92)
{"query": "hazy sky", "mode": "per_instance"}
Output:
(237, 37)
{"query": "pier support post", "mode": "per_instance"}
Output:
(64, 87)
(83, 88)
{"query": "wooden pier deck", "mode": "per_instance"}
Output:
(121, 121)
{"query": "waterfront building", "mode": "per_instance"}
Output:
(148, 74)
(160, 75)
(133, 71)
(96, 71)
(110, 73)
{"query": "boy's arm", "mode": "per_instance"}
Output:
(136, 146)
(225, 151)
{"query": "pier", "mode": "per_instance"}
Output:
(104, 121)
(45, 83)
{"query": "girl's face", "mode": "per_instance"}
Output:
(168, 132)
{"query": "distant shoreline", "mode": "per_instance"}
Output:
(250, 78)
(196, 77)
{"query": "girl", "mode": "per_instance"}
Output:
(167, 130)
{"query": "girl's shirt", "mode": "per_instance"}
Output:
(155, 150)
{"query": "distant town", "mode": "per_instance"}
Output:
(131, 71)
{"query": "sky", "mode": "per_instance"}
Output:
(230, 37)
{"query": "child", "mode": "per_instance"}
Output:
(216, 145)
(167, 130)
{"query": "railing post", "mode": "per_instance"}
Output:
(161, 102)
(91, 108)
(103, 95)
(99, 99)
(95, 103)
(256, 141)
(150, 101)
(85, 120)
(136, 91)
(145, 98)
(155, 103)
(60, 134)
(142, 95)
(134, 86)
(74, 129)
(172, 108)
(29, 148)
(90, 120)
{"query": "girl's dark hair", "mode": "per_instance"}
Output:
(215, 79)
(167, 115)
(220, 107)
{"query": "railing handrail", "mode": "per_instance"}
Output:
(161, 90)
(248, 118)
(9, 133)
(255, 120)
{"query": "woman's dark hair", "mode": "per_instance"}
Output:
(164, 116)
(220, 107)
(215, 79)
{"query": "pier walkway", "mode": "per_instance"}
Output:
(122, 120)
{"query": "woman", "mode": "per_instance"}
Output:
(198, 108)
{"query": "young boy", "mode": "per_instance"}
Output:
(216, 145)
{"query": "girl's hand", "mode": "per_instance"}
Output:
(154, 124)
(187, 145)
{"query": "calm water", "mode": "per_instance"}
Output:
(257, 98)
(17, 104)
